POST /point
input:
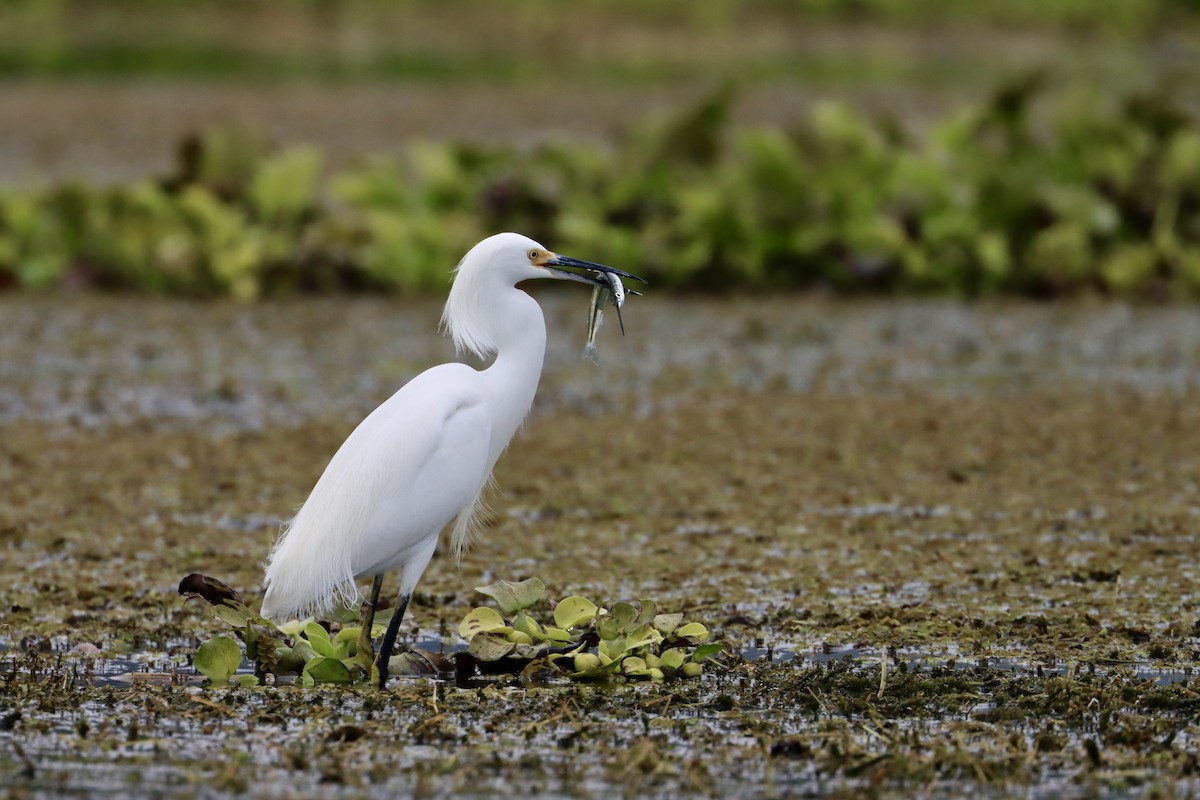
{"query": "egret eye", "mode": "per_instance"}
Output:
(533, 255)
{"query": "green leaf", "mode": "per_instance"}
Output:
(672, 658)
(705, 650)
(632, 663)
(284, 186)
(327, 670)
(318, 637)
(528, 626)
(692, 633)
(234, 618)
(348, 634)
(288, 661)
(647, 614)
(314, 631)
(304, 651)
(557, 634)
(574, 611)
(617, 622)
(218, 659)
(518, 637)
(293, 627)
(246, 680)
(666, 623)
(640, 637)
(586, 662)
(489, 647)
(481, 620)
(514, 597)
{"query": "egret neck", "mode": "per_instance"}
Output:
(513, 377)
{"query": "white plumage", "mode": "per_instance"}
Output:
(425, 455)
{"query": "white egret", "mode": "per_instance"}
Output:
(425, 456)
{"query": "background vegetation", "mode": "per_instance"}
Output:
(1050, 147)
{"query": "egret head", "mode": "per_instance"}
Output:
(496, 264)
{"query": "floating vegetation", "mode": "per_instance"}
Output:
(310, 651)
(586, 642)
(1000, 198)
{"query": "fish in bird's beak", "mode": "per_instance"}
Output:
(555, 260)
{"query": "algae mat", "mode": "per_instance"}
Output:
(997, 503)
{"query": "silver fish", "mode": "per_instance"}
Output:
(600, 295)
(617, 290)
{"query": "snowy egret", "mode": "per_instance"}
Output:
(425, 456)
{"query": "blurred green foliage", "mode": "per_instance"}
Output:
(477, 39)
(985, 201)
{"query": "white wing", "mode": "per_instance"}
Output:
(406, 470)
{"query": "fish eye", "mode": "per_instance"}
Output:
(533, 255)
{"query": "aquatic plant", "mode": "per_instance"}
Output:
(993, 199)
(585, 642)
(582, 640)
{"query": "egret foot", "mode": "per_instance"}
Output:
(379, 674)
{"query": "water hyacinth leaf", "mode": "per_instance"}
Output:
(348, 634)
(705, 651)
(640, 637)
(692, 669)
(481, 620)
(632, 664)
(327, 670)
(233, 617)
(318, 637)
(647, 614)
(693, 633)
(287, 661)
(218, 659)
(246, 680)
(525, 651)
(514, 597)
(672, 658)
(557, 634)
(293, 627)
(519, 637)
(667, 623)
(304, 651)
(574, 611)
(616, 622)
(528, 626)
(489, 647)
(585, 662)
(346, 615)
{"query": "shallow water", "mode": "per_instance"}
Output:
(97, 361)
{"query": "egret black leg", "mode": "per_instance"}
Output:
(364, 636)
(389, 640)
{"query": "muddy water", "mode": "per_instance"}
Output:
(1003, 498)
